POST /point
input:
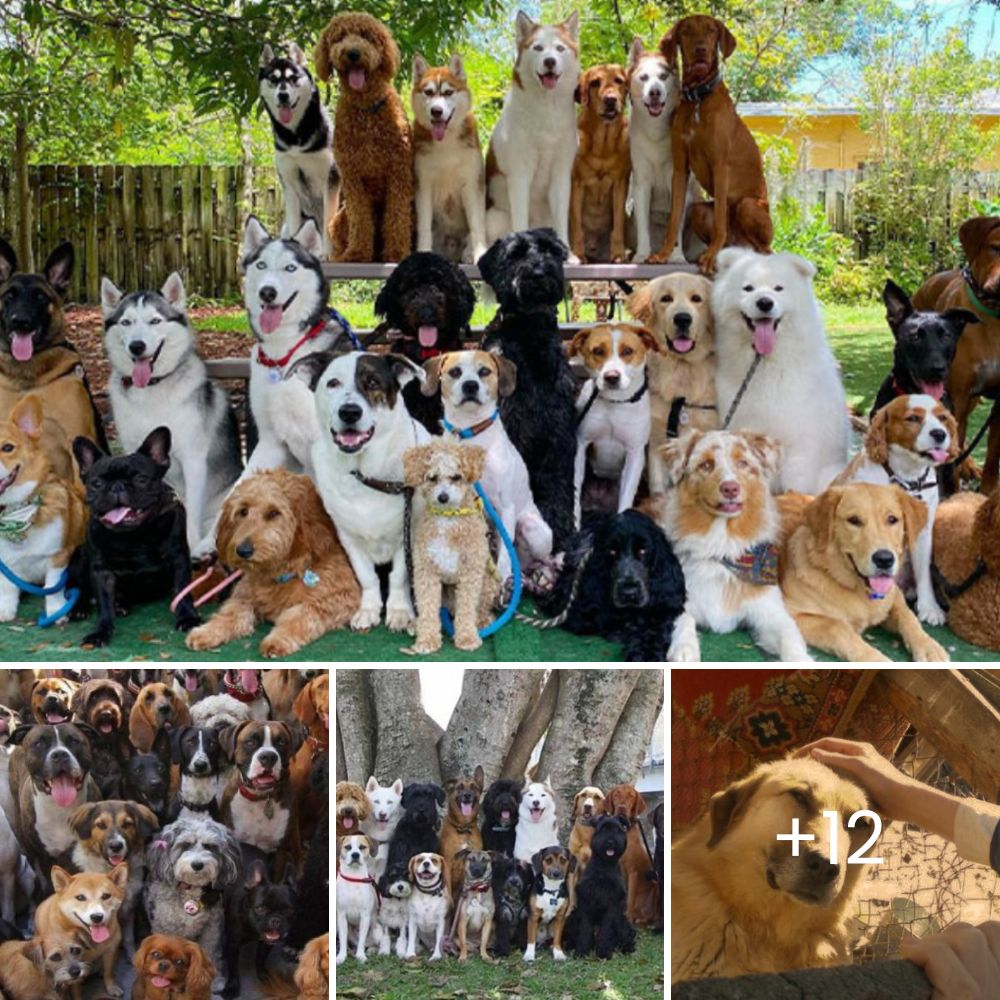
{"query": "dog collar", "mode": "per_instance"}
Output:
(318, 746)
(16, 522)
(470, 432)
(455, 511)
(311, 334)
(910, 485)
(127, 382)
(388, 486)
(678, 417)
(634, 398)
(361, 881)
(467, 828)
(976, 294)
(308, 577)
(696, 94)
(266, 797)
(197, 806)
(872, 596)
(435, 890)
(235, 691)
(757, 565)
(477, 887)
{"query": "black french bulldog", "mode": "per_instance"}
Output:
(136, 547)
(512, 882)
(146, 777)
(925, 344)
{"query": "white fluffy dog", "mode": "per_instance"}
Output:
(537, 824)
(385, 815)
(764, 308)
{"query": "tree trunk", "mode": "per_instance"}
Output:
(406, 740)
(356, 722)
(532, 729)
(341, 773)
(483, 726)
(589, 706)
(623, 758)
(23, 235)
(246, 148)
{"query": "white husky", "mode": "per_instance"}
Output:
(529, 169)
(385, 816)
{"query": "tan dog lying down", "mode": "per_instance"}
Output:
(740, 902)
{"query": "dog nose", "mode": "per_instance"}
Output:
(196, 866)
(730, 489)
(164, 709)
(764, 304)
(268, 294)
(937, 373)
(683, 321)
(442, 497)
(818, 864)
(470, 387)
(938, 435)
(244, 550)
(199, 766)
(354, 54)
(268, 758)
(97, 918)
(612, 378)
(59, 754)
(137, 348)
(349, 413)
(437, 113)
(550, 62)
(883, 559)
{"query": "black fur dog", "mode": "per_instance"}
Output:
(512, 882)
(202, 762)
(599, 922)
(146, 777)
(429, 301)
(925, 344)
(312, 913)
(499, 810)
(525, 270)
(136, 547)
(628, 585)
(104, 705)
(417, 831)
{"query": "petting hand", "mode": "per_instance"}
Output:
(962, 962)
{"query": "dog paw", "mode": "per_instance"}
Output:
(468, 643)
(398, 619)
(366, 618)
(341, 959)
(685, 650)
(573, 259)
(929, 651)
(931, 613)
(203, 638)
(8, 614)
(281, 645)
(113, 991)
(677, 257)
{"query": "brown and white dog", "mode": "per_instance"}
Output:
(429, 903)
(156, 707)
(602, 166)
(551, 899)
(587, 803)
(259, 807)
(907, 440)
(45, 968)
(448, 163)
(51, 700)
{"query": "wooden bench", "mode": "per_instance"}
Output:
(622, 274)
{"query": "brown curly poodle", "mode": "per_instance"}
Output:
(371, 141)
(274, 527)
(967, 550)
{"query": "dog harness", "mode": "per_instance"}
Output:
(678, 416)
(16, 521)
(911, 485)
(634, 398)
(370, 880)
(751, 371)
(945, 588)
(470, 432)
(757, 565)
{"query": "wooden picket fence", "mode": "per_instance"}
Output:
(137, 224)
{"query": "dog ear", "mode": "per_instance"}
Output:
(471, 460)
(308, 237)
(8, 260)
(372, 850)
(147, 821)
(506, 376)
(296, 54)
(201, 971)
(727, 257)
(767, 450)
(157, 447)
(727, 43)
(821, 513)
(676, 454)
(536, 861)
(403, 369)
(572, 26)
(479, 776)
(372, 784)
(876, 440)
(229, 737)
(27, 414)
(648, 339)
(576, 344)
(951, 424)
(254, 237)
(576, 806)
(635, 53)
(391, 52)
(111, 295)
(432, 370)
(456, 67)
(524, 26)
(304, 710)
(58, 268)
(418, 69)
(640, 803)
(960, 318)
(321, 57)
(227, 525)
(668, 47)
(439, 794)
(86, 454)
(309, 368)
(914, 515)
(17, 736)
(640, 304)
(266, 55)
(81, 819)
(462, 854)
(897, 305)
(255, 875)
(415, 464)
(161, 745)
(173, 291)
(548, 240)
(59, 877)
(973, 232)
(176, 735)
(725, 807)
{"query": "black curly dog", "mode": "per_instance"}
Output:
(598, 923)
(430, 301)
(525, 270)
(499, 810)
(629, 590)
(417, 831)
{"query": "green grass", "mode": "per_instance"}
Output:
(625, 977)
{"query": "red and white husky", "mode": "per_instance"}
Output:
(529, 167)
(451, 205)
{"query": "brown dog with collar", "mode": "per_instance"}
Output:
(553, 894)
(460, 827)
(975, 371)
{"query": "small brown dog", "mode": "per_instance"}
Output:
(51, 700)
(450, 545)
(274, 527)
(371, 140)
(45, 967)
(602, 166)
(156, 707)
(168, 967)
(588, 803)
(313, 973)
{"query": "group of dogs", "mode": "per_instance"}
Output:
(171, 815)
(466, 866)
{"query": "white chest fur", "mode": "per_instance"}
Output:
(252, 825)
(51, 823)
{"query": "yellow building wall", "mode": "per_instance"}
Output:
(836, 142)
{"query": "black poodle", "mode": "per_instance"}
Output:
(525, 271)
(417, 831)
(621, 580)
(599, 922)
(499, 809)
(430, 301)
(512, 882)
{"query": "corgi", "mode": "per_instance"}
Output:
(91, 901)
(43, 515)
(451, 181)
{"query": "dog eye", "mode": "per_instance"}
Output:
(432, 478)
(537, 48)
(742, 463)
(447, 93)
(156, 954)
(126, 322)
(455, 372)
(800, 797)
(290, 268)
(748, 288)
(7, 446)
(855, 520)
(155, 322)
(644, 77)
(599, 352)
(619, 81)
(428, 91)
(244, 511)
(560, 48)
(913, 419)
(81, 898)
(455, 479)
(706, 466)
(261, 265)
(892, 519)
(779, 288)
(334, 383)
(641, 551)
(696, 298)
(626, 352)
(667, 299)
(594, 83)
(483, 373)
(272, 514)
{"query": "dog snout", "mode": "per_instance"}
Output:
(283, 97)
(437, 113)
(883, 559)
(197, 866)
(137, 348)
(938, 435)
(268, 294)
(199, 766)
(116, 844)
(267, 758)
(163, 709)
(442, 497)
(97, 918)
(549, 62)
(730, 489)
(470, 388)
(612, 378)
(354, 54)
(244, 550)
(765, 304)
(683, 320)
(820, 868)
(349, 413)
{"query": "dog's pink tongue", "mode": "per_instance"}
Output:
(764, 335)
(682, 344)
(356, 79)
(99, 933)
(438, 130)
(270, 318)
(54, 718)
(881, 585)
(190, 682)
(939, 455)
(106, 727)
(142, 372)
(248, 681)
(427, 335)
(116, 516)
(22, 346)
(63, 793)
(549, 81)
(466, 808)
(934, 389)
(285, 115)
(347, 822)
(160, 982)
(505, 814)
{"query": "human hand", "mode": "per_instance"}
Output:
(962, 962)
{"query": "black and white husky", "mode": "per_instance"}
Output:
(158, 380)
(303, 142)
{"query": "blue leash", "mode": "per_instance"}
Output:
(515, 568)
(339, 317)
(44, 620)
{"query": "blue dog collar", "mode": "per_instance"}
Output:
(470, 432)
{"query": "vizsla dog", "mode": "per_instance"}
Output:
(709, 139)
(975, 371)
(625, 802)
(602, 166)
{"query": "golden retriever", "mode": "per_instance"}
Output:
(740, 902)
(682, 378)
(839, 565)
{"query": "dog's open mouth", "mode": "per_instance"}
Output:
(5, 484)
(654, 106)
(160, 982)
(55, 716)
(536, 814)
(466, 808)
(350, 440)
(285, 112)
(124, 517)
(99, 933)
(347, 821)
(505, 817)
(115, 859)
(273, 313)
(263, 782)
(732, 507)
(765, 332)
(356, 78)
(936, 455)
(142, 368)
(272, 936)
(63, 788)
(22, 344)
(681, 345)
(549, 80)
(879, 584)
(440, 127)
(609, 114)
(427, 335)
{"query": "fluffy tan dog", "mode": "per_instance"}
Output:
(450, 545)
(681, 378)
(740, 902)
(274, 527)
(371, 140)
(353, 808)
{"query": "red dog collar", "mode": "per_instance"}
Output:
(312, 333)
(369, 879)
(235, 691)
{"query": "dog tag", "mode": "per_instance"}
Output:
(309, 578)
(273, 376)
(269, 806)
(192, 906)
